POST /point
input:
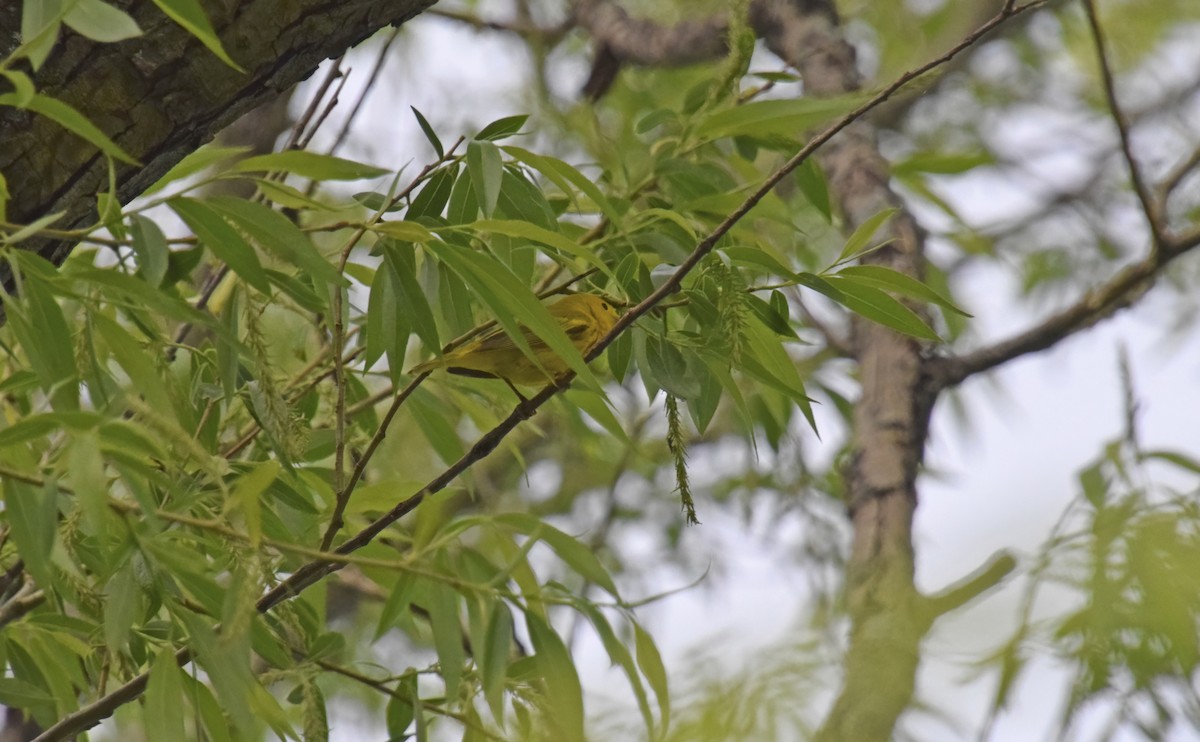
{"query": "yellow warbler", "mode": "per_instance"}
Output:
(585, 318)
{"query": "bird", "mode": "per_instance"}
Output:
(585, 318)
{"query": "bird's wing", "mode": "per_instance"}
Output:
(497, 339)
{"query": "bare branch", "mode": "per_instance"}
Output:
(1097, 304)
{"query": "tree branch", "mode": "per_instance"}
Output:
(621, 39)
(956, 596)
(1150, 207)
(167, 99)
(641, 42)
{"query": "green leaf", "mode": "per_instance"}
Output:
(577, 556)
(563, 690)
(396, 605)
(1175, 458)
(70, 119)
(564, 175)
(758, 258)
(197, 161)
(544, 236)
(381, 315)
(493, 662)
(120, 608)
(765, 359)
(704, 405)
(150, 247)
(140, 296)
(288, 197)
(463, 205)
(522, 200)
(620, 656)
(652, 666)
(208, 711)
(434, 194)
(594, 405)
(501, 128)
(651, 215)
(32, 516)
(790, 116)
(37, 426)
(390, 318)
(811, 180)
(486, 169)
(31, 229)
(228, 671)
(225, 242)
(40, 326)
(412, 300)
(101, 22)
(138, 363)
(772, 316)
(433, 418)
(247, 494)
(22, 695)
(666, 363)
(858, 241)
(891, 280)
(188, 13)
(402, 707)
(619, 354)
(654, 119)
(280, 235)
(85, 470)
(375, 201)
(310, 165)
(942, 163)
(429, 133)
(447, 633)
(40, 23)
(879, 307)
(404, 231)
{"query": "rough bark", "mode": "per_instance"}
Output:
(893, 410)
(162, 95)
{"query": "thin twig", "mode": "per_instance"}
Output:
(325, 111)
(1149, 206)
(333, 73)
(1176, 176)
(381, 686)
(372, 78)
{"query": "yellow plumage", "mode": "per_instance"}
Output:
(585, 318)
